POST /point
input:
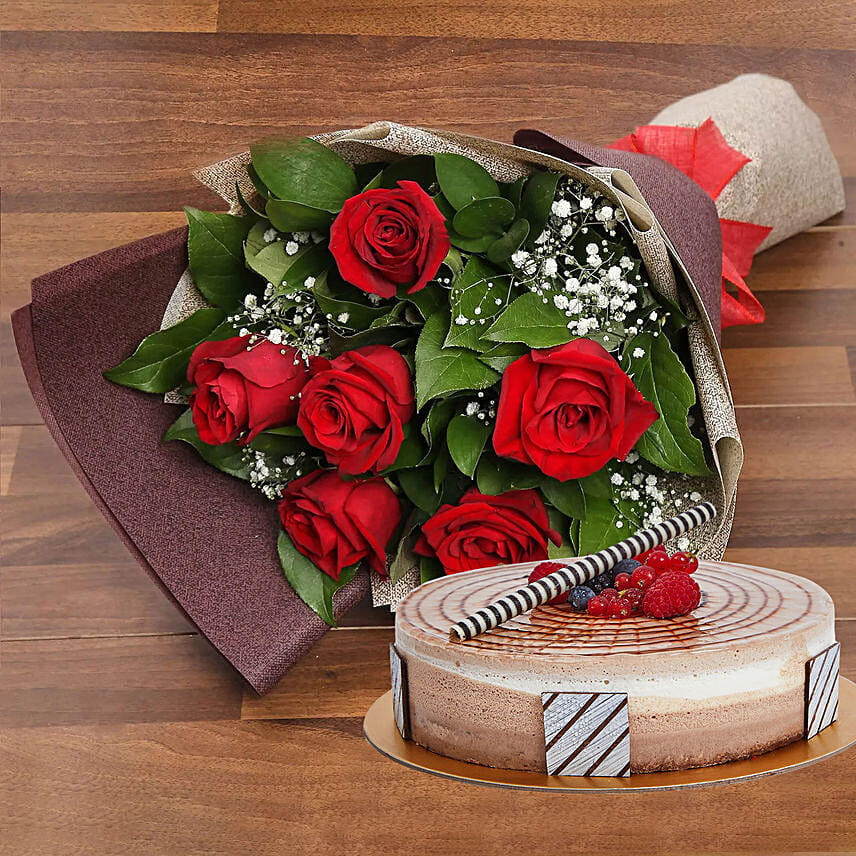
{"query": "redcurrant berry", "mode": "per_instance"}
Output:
(643, 576)
(623, 581)
(692, 565)
(679, 562)
(597, 606)
(658, 561)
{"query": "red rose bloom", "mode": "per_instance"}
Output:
(482, 531)
(240, 390)
(335, 523)
(385, 238)
(568, 410)
(355, 408)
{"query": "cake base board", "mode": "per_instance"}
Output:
(380, 730)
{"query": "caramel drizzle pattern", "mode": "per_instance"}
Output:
(736, 605)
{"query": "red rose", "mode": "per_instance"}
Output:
(569, 410)
(385, 238)
(240, 390)
(354, 410)
(482, 531)
(335, 523)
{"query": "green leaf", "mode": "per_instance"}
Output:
(441, 370)
(310, 583)
(405, 559)
(496, 475)
(312, 260)
(531, 321)
(537, 201)
(441, 467)
(418, 487)
(257, 182)
(294, 217)
(245, 204)
(437, 419)
(567, 496)
(661, 378)
(394, 336)
(466, 437)
(215, 250)
(502, 355)
(277, 444)
(513, 192)
(470, 245)
(226, 458)
(304, 171)
(474, 295)
(462, 180)
(429, 299)
(160, 362)
(506, 245)
(418, 168)
(429, 569)
(410, 453)
(488, 216)
(335, 297)
(599, 529)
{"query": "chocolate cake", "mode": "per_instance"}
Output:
(723, 683)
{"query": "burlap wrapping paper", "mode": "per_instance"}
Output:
(793, 180)
(387, 141)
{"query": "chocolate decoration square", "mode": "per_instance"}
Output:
(821, 690)
(586, 734)
(400, 705)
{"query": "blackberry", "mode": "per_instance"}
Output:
(626, 566)
(579, 597)
(601, 581)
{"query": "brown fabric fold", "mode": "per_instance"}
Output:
(686, 213)
(209, 540)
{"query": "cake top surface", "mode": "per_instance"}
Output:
(739, 603)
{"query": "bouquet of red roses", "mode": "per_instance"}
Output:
(430, 370)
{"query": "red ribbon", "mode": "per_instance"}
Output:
(703, 154)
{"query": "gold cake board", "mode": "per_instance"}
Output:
(380, 730)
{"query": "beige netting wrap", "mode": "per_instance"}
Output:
(388, 141)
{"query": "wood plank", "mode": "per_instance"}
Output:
(147, 15)
(780, 376)
(318, 787)
(16, 403)
(821, 258)
(341, 676)
(91, 599)
(784, 442)
(26, 254)
(800, 318)
(794, 512)
(129, 679)
(158, 115)
(771, 24)
(833, 568)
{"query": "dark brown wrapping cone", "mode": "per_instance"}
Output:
(207, 538)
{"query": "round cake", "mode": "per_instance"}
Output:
(723, 683)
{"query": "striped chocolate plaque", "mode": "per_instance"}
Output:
(586, 734)
(398, 675)
(821, 690)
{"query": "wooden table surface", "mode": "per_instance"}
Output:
(121, 730)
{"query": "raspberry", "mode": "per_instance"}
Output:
(609, 594)
(597, 606)
(643, 576)
(623, 581)
(673, 593)
(543, 570)
(658, 561)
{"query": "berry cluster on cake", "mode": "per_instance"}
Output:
(659, 664)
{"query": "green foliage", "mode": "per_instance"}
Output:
(310, 584)
(474, 295)
(160, 362)
(462, 180)
(661, 378)
(531, 321)
(215, 250)
(465, 438)
(226, 458)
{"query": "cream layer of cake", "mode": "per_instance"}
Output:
(723, 683)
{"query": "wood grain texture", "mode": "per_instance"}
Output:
(121, 730)
(170, 102)
(143, 15)
(770, 24)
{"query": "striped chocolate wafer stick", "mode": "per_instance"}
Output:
(577, 572)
